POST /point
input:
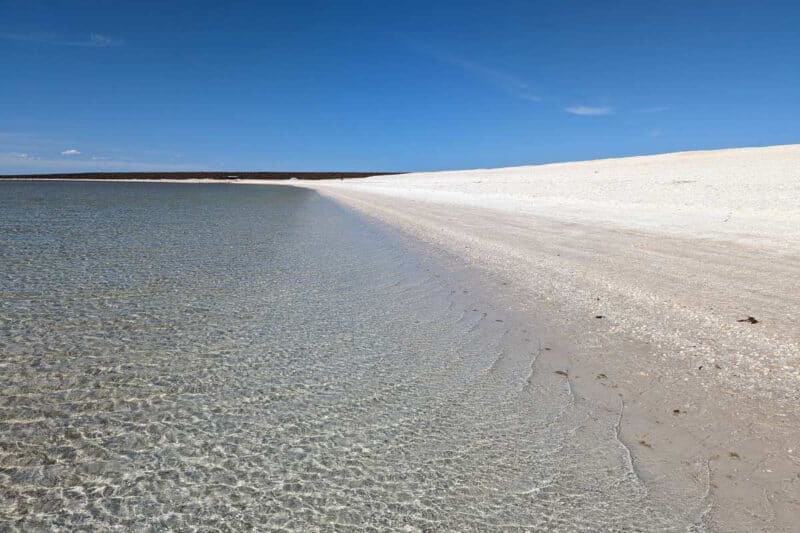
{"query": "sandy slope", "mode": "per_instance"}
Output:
(672, 251)
(747, 194)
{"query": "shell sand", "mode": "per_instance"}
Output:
(673, 284)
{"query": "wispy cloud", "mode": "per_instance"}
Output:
(588, 111)
(101, 41)
(28, 153)
(504, 81)
(15, 155)
(93, 40)
(507, 82)
(654, 109)
(14, 164)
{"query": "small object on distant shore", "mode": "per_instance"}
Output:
(561, 373)
(676, 411)
(599, 316)
(645, 443)
(734, 455)
(750, 319)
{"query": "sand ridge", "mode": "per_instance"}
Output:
(746, 194)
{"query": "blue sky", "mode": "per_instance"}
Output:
(402, 85)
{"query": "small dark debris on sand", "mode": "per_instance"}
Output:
(561, 373)
(601, 376)
(598, 316)
(676, 411)
(734, 455)
(750, 319)
(645, 443)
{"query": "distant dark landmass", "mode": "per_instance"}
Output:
(222, 176)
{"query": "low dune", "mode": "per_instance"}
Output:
(745, 194)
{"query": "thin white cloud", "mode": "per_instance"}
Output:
(93, 40)
(504, 81)
(507, 82)
(11, 164)
(27, 153)
(101, 41)
(654, 109)
(588, 111)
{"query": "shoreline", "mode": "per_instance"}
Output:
(286, 358)
(654, 311)
(707, 420)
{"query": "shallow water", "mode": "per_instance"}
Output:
(250, 357)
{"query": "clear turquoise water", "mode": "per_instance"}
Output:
(208, 357)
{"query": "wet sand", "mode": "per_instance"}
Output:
(646, 273)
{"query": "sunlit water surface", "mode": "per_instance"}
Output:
(249, 357)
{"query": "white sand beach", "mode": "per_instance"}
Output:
(646, 271)
(746, 194)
